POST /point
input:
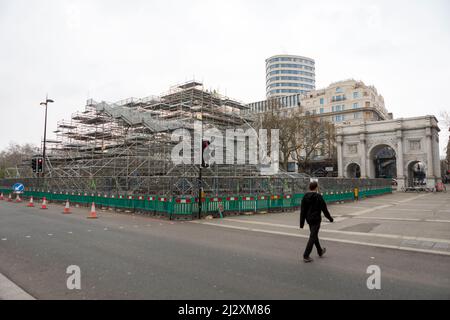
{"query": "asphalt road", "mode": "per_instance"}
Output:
(134, 257)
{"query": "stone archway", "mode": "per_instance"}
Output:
(387, 148)
(382, 162)
(417, 174)
(353, 170)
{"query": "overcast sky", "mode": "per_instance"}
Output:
(111, 50)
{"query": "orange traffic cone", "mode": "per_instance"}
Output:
(18, 200)
(2, 197)
(44, 204)
(10, 198)
(31, 203)
(67, 208)
(93, 214)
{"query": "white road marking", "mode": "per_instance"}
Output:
(70, 232)
(353, 233)
(358, 213)
(28, 237)
(330, 239)
(4, 239)
(403, 219)
(443, 221)
(409, 210)
(391, 219)
(350, 207)
(413, 198)
(50, 235)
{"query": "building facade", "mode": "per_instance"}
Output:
(289, 75)
(342, 103)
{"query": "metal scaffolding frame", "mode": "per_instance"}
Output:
(126, 146)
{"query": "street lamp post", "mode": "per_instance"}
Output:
(47, 101)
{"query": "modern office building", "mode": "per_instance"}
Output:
(289, 75)
(343, 102)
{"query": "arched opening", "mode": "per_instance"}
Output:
(417, 174)
(383, 162)
(353, 171)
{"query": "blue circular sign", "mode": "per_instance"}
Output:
(18, 187)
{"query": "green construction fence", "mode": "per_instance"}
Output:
(188, 207)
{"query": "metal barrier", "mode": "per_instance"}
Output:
(187, 206)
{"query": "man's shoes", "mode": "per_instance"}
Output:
(324, 250)
(307, 260)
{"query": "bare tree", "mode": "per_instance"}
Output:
(445, 116)
(276, 119)
(14, 155)
(311, 137)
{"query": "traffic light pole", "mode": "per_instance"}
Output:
(200, 194)
(200, 182)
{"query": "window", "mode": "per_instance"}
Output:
(322, 101)
(339, 118)
(339, 90)
(322, 110)
(355, 95)
(356, 105)
(337, 108)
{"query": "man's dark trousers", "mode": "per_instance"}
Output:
(313, 240)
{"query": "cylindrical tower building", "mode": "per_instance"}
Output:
(288, 75)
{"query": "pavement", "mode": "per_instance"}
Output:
(125, 256)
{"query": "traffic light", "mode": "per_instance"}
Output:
(205, 144)
(34, 164)
(40, 162)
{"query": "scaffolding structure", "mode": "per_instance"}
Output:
(126, 146)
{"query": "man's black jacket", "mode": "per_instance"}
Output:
(313, 205)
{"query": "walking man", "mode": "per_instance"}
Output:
(312, 207)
